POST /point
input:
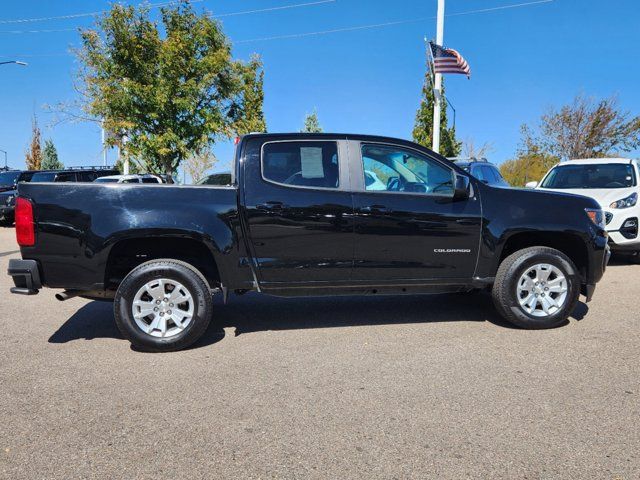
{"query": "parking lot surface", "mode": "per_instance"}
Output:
(348, 387)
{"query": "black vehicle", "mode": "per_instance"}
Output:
(302, 218)
(482, 169)
(75, 174)
(8, 191)
(9, 180)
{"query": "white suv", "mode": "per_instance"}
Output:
(612, 182)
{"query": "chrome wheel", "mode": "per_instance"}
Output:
(542, 290)
(163, 308)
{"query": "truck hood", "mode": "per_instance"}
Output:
(604, 196)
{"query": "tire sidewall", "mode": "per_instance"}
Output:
(145, 273)
(520, 267)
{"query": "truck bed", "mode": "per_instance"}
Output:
(78, 225)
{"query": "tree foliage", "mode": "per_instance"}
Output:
(33, 156)
(171, 88)
(197, 165)
(585, 128)
(134, 168)
(311, 123)
(50, 159)
(588, 128)
(530, 164)
(248, 111)
(423, 129)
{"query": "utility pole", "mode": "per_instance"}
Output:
(5, 159)
(437, 91)
(104, 146)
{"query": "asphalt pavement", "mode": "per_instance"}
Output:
(339, 388)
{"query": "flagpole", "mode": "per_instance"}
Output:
(437, 105)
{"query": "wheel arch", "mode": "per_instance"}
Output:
(137, 247)
(571, 244)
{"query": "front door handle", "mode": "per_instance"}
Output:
(374, 209)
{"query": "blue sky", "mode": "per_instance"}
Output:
(524, 60)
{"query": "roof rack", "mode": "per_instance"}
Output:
(91, 167)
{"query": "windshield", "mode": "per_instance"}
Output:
(597, 175)
(8, 178)
(44, 177)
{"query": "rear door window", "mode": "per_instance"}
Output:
(301, 164)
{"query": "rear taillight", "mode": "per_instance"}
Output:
(25, 229)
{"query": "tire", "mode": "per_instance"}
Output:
(511, 288)
(168, 326)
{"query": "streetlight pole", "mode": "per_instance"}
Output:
(5, 159)
(17, 62)
(437, 90)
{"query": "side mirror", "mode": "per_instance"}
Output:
(531, 185)
(461, 189)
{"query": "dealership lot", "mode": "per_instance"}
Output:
(352, 387)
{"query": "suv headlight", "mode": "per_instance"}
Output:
(597, 216)
(627, 202)
(9, 200)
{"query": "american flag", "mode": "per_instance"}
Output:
(447, 60)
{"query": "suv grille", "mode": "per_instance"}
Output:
(608, 216)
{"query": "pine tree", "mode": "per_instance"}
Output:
(33, 156)
(50, 157)
(423, 129)
(311, 123)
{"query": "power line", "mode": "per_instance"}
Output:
(389, 24)
(79, 15)
(361, 27)
(156, 5)
(273, 9)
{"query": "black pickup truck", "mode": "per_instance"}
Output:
(308, 214)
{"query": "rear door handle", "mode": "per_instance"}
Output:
(374, 209)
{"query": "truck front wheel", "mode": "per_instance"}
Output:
(537, 287)
(163, 305)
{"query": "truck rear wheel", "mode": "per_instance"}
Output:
(537, 287)
(163, 305)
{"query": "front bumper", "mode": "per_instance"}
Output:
(623, 228)
(26, 276)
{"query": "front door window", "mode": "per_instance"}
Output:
(394, 169)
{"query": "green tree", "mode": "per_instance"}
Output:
(50, 159)
(311, 123)
(134, 168)
(249, 109)
(33, 156)
(170, 87)
(423, 129)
